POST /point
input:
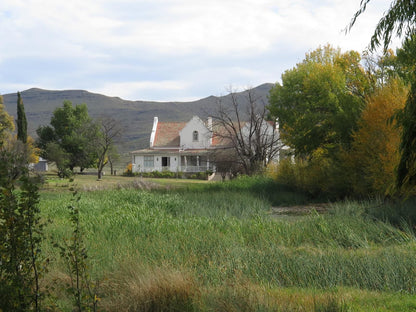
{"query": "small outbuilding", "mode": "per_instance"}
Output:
(41, 165)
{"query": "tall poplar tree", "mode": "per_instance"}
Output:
(21, 120)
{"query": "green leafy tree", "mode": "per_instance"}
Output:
(73, 130)
(46, 135)
(380, 69)
(56, 154)
(320, 100)
(72, 127)
(21, 120)
(406, 59)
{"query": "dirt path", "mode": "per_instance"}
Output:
(300, 210)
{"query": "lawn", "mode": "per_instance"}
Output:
(198, 246)
(89, 182)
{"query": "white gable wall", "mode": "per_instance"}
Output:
(187, 138)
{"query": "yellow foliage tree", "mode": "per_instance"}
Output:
(6, 121)
(34, 152)
(374, 155)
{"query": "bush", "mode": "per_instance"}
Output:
(129, 170)
(321, 176)
(172, 175)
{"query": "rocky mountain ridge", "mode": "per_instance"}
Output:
(136, 117)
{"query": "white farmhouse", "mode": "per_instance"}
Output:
(177, 147)
(187, 146)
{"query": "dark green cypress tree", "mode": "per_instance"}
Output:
(21, 120)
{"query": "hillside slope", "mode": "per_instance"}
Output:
(136, 117)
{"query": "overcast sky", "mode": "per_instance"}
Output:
(167, 50)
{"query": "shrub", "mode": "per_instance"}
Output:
(21, 232)
(320, 176)
(129, 170)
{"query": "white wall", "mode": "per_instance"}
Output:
(186, 134)
(138, 163)
(174, 163)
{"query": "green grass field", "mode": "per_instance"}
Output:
(180, 245)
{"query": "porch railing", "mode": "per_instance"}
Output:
(168, 168)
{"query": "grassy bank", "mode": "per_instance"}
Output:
(216, 247)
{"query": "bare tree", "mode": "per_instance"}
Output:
(112, 156)
(109, 130)
(242, 127)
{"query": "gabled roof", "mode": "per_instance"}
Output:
(167, 134)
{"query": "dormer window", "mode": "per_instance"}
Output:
(195, 136)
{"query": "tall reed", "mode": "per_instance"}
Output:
(221, 238)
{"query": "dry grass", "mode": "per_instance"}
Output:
(88, 182)
(249, 297)
(135, 289)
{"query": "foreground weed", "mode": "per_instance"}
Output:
(74, 253)
(330, 304)
(21, 232)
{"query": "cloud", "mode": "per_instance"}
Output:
(131, 88)
(141, 49)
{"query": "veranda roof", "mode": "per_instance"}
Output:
(173, 152)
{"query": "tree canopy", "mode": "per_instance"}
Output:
(72, 131)
(320, 100)
(374, 155)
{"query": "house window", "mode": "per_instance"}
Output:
(195, 136)
(149, 161)
(165, 161)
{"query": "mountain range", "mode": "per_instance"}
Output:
(135, 117)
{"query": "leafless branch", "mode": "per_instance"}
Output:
(243, 127)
